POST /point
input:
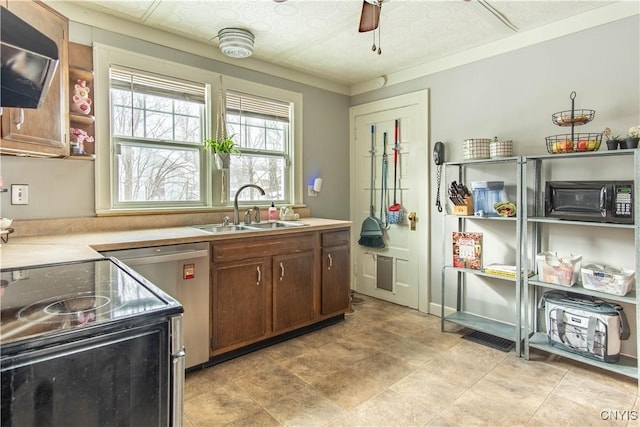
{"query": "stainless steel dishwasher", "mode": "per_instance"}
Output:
(182, 271)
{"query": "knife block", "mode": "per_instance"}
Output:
(466, 209)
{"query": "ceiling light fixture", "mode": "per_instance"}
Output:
(236, 42)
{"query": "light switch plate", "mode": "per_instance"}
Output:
(19, 194)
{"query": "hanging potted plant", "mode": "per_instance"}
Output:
(221, 147)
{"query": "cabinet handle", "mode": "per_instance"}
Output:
(281, 271)
(259, 275)
(20, 119)
(330, 261)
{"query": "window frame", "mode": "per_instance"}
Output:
(105, 56)
(293, 185)
(120, 141)
(286, 154)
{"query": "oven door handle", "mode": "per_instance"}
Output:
(603, 201)
(155, 259)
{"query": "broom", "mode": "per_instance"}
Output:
(371, 231)
(394, 213)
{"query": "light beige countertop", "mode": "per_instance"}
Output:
(44, 249)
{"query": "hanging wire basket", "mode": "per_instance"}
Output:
(573, 117)
(570, 143)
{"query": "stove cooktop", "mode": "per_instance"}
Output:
(49, 299)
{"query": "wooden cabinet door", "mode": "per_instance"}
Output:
(292, 290)
(240, 302)
(43, 131)
(335, 274)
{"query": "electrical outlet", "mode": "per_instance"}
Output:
(311, 192)
(19, 275)
(19, 194)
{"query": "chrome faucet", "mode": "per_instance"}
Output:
(236, 215)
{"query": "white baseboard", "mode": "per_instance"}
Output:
(434, 309)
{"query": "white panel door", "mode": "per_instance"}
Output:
(406, 250)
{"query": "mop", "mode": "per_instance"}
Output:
(394, 213)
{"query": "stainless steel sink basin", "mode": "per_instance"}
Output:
(219, 228)
(274, 225)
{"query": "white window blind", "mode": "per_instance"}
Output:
(150, 84)
(259, 107)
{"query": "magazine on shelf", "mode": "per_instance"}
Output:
(467, 250)
(504, 270)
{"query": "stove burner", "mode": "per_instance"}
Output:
(73, 309)
(77, 304)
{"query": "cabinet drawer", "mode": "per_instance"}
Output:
(335, 238)
(262, 246)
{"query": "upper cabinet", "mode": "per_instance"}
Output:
(42, 131)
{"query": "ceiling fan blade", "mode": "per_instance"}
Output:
(370, 17)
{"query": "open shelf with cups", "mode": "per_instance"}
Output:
(540, 232)
(81, 106)
(467, 279)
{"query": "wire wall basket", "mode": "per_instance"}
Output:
(569, 143)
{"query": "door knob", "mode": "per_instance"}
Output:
(412, 219)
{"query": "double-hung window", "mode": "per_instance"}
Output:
(261, 128)
(152, 117)
(157, 128)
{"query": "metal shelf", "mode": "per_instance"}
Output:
(481, 273)
(561, 156)
(483, 324)
(583, 223)
(482, 218)
(630, 298)
(627, 366)
(535, 338)
(513, 332)
(485, 161)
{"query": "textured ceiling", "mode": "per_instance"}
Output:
(321, 38)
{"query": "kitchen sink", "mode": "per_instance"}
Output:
(219, 228)
(258, 226)
(276, 224)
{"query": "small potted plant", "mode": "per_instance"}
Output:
(612, 140)
(222, 147)
(633, 136)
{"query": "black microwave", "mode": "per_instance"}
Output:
(600, 201)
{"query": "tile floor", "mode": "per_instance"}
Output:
(387, 365)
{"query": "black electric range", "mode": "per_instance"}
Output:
(88, 343)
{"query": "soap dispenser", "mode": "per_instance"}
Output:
(273, 212)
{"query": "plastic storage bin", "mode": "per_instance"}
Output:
(485, 195)
(602, 278)
(559, 270)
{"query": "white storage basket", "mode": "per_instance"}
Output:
(475, 149)
(501, 149)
